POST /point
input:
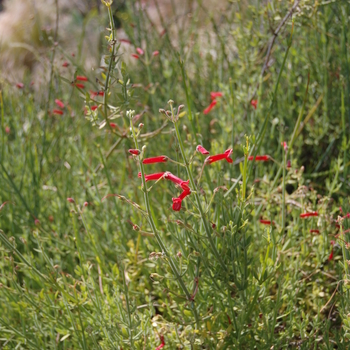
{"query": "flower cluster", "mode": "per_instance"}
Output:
(167, 175)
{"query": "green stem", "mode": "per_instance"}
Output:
(155, 231)
(199, 204)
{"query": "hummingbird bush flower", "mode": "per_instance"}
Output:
(201, 149)
(330, 257)
(93, 108)
(217, 157)
(65, 64)
(214, 95)
(135, 56)
(307, 215)
(81, 78)
(259, 158)
(59, 103)
(20, 85)
(153, 177)
(210, 107)
(162, 344)
(134, 152)
(152, 160)
(155, 53)
(80, 86)
(140, 51)
(57, 112)
(266, 222)
(176, 180)
(315, 231)
(254, 103)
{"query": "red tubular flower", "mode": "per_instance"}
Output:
(285, 146)
(81, 78)
(139, 51)
(7, 130)
(135, 152)
(59, 103)
(176, 180)
(65, 64)
(201, 149)
(214, 95)
(307, 215)
(153, 177)
(315, 231)
(161, 346)
(217, 157)
(289, 165)
(155, 53)
(254, 103)
(20, 85)
(80, 86)
(70, 200)
(259, 158)
(113, 125)
(186, 192)
(177, 202)
(57, 111)
(93, 108)
(331, 254)
(210, 107)
(265, 222)
(159, 159)
(135, 56)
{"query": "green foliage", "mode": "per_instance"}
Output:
(115, 267)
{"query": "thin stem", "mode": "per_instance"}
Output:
(155, 231)
(199, 204)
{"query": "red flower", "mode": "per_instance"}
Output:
(210, 107)
(57, 111)
(315, 231)
(135, 152)
(176, 180)
(70, 200)
(265, 222)
(93, 108)
(80, 86)
(65, 64)
(126, 41)
(186, 192)
(331, 254)
(217, 157)
(254, 103)
(135, 56)
(285, 146)
(113, 125)
(81, 78)
(161, 346)
(152, 177)
(289, 165)
(59, 103)
(214, 95)
(37, 222)
(177, 204)
(139, 51)
(307, 215)
(201, 149)
(155, 53)
(259, 158)
(159, 159)
(7, 130)
(20, 85)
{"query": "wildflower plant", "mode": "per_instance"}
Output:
(216, 221)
